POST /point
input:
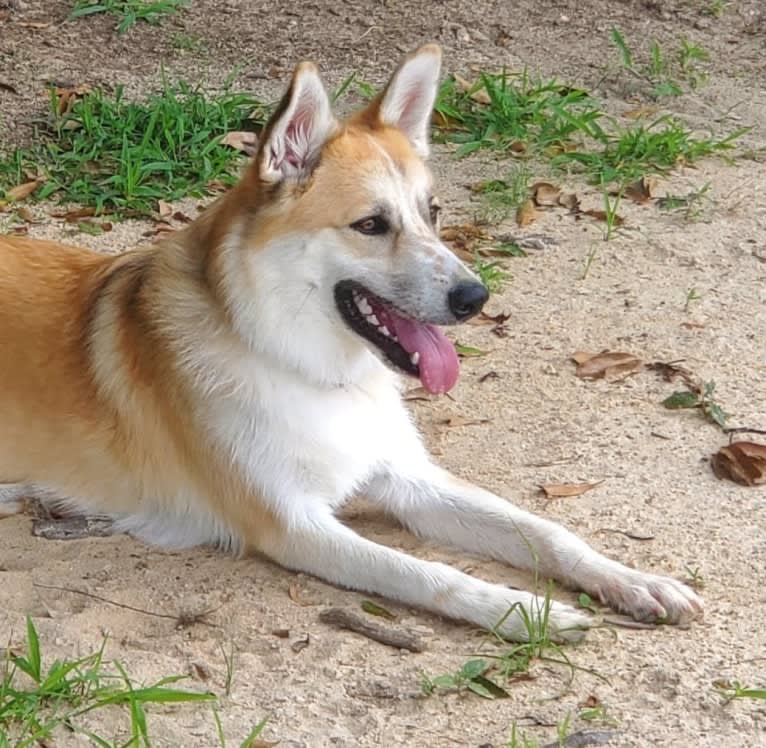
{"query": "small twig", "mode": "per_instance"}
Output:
(631, 535)
(583, 738)
(182, 619)
(629, 623)
(392, 637)
(742, 430)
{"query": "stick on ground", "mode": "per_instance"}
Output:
(388, 635)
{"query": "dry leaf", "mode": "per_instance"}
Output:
(295, 593)
(20, 191)
(281, 633)
(569, 200)
(526, 213)
(464, 238)
(164, 208)
(741, 462)
(642, 190)
(8, 87)
(68, 95)
(693, 325)
(566, 490)
(601, 215)
(34, 24)
(480, 95)
(245, 141)
(72, 216)
(545, 194)
(640, 112)
(181, 217)
(25, 214)
(608, 365)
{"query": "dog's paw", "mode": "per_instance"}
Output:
(648, 597)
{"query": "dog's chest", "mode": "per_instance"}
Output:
(296, 440)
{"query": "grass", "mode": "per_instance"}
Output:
(491, 273)
(37, 699)
(502, 197)
(666, 72)
(128, 12)
(120, 155)
(485, 673)
(512, 114)
(731, 690)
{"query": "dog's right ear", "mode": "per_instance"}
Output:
(292, 140)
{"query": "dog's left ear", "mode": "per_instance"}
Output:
(408, 100)
(293, 138)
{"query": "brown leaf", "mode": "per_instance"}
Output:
(8, 87)
(164, 208)
(34, 24)
(464, 238)
(72, 216)
(545, 194)
(281, 633)
(569, 200)
(480, 95)
(526, 213)
(181, 217)
(601, 215)
(68, 95)
(642, 190)
(25, 214)
(245, 141)
(610, 365)
(296, 595)
(455, 421)
(741, 462)
(566, 490)
(640, 112)
(20, 191)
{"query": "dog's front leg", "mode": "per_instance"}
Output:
(435, 504)
(317, 543)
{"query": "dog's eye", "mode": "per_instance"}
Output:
(434, 209)
(371, 226)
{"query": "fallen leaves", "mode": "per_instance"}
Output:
(527, 213)
(610, 365)
(642, 190)
(567, 490)
(245, 141)
(741, 462)
(22, 191)
(66, 96)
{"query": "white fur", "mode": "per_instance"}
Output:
(409, 98)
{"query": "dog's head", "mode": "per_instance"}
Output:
(346, 231)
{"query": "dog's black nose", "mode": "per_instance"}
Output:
(467, 298)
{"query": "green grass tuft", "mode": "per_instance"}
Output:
(128, 12)
(120, 155)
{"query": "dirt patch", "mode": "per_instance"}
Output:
(543, 424)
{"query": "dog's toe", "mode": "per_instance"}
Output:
(648, 597)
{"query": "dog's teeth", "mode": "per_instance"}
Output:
(415, 358)
(385, 331)
(372, 319)
(364, 306)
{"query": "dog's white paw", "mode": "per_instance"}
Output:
(648, 597)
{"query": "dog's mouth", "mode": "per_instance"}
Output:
(416, 348)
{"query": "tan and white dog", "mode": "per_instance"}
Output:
(237, 383)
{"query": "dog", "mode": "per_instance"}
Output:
(239, 381)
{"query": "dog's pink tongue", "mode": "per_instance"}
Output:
(438, 364)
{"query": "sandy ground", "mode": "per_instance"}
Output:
(543, 424)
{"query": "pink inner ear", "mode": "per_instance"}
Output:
(298, 137)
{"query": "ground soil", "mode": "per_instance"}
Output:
(543, 424)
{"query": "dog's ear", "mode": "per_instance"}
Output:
(293, 138)
(408, 100)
